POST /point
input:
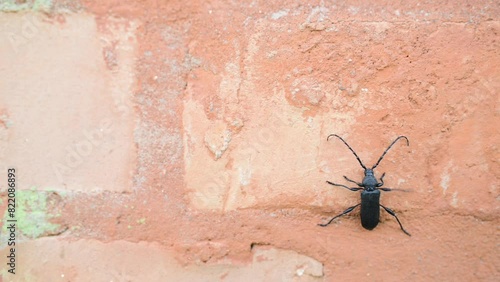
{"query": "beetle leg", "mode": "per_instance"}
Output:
(340, 185)
(348, 210)
(393, 189)
(357, 183)
(391, 212)
(381, 180)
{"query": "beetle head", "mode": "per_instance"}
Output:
(368, 172)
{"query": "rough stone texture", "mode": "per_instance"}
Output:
(227, 108)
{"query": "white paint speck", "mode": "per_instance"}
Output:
(454, 199)
(401, 181)
(279, 14)
(445, 180)
(445, 177)
(353, 10)
(245, 174)
(271, 54)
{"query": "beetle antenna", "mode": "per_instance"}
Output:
(385, 152)
(361, 163)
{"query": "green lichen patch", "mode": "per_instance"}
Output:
(36, 5)
(33, 214)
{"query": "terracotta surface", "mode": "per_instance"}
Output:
(186, 141)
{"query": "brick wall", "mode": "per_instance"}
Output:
(186, 141)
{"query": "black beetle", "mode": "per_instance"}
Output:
(370, 196)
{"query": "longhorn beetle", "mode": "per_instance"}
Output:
(370, 196)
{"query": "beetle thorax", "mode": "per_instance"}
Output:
(369, 181)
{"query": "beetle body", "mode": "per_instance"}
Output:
(370, 201)
(370, 209)
(370, 194)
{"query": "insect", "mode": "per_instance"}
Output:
(370, 196)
